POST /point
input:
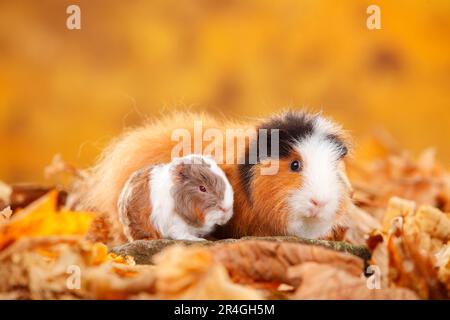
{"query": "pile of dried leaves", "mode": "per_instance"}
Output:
(44, 253)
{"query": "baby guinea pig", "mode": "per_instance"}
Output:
(183, 199)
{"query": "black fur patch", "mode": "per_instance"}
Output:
(338, 142)
(292, 126)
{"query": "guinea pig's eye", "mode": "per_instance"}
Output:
(202, 188)
(296, 166)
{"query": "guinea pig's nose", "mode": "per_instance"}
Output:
(224, 209)
(316, 203)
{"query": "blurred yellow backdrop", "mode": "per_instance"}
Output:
(69, 91)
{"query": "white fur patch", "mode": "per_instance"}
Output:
(321, 183)
(166, 220)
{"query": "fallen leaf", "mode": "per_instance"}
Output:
(359, 224)
(397, 207)
(5, 214)
(42, 219)
(443, 263)
(325, 281)
(5, 194)
(414, 239)
(48, 267)
(193, 273)
(263, 261)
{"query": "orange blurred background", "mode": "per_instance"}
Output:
(70, 91)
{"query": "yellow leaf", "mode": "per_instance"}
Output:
(41, 218)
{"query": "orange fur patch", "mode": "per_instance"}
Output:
(272, 213)
(199, 214)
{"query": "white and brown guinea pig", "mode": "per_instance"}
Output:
(184, 199)
(307, 197)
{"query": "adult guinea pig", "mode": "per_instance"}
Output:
(307, 197)
(184, 199)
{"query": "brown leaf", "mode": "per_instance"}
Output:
(40, 268)
(5, 194)
(193, 273)
(325, 281)
(360, 224)
(394, 172)
(413, 242)
(397, 207)
(443, 263)
(263, 261)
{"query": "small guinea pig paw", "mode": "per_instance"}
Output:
(218, 217)
(191, 238)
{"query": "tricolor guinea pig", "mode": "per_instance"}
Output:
(309, 194)
(184, 199)
(307, 197)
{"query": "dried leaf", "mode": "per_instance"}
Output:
(377, 243)
(193, 273)
(43, 269)
(5, 194)
(24, 194)
(5, 214)
(262, 261)
(119, 282)
(359, 224)
(383, 172)
(42, 219)
(443, 263)
(58, 166)
(397, 207)
(413, 242)
(325, 281)
(433, 222)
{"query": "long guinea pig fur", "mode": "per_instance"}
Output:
(184, 199)
(307, 197)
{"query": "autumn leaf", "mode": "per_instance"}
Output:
(325, 281)
(263, 261)
(443, 263)
(416, 247)
(42, 219)
(193, 273)
(5, 214)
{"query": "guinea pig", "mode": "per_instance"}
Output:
(184, 199)
(309, 194)
(307, 197)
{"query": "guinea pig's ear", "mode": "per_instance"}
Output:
(180, 172)
(342, 144)
(343, 151)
